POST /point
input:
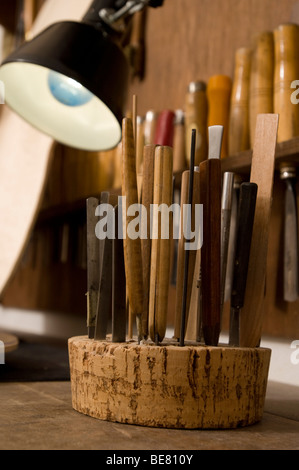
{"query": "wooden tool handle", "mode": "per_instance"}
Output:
(219, 96)
(239, 111)
(286, 40)
(165, 128)
(147, 201)
(181, 251)
(179, 155)
(150, 125)
(247, 202)
(132, 247)
(261, 79)
(210, 197)
(93, 265)
(226, 207)
(262, 173)
(196, 115)
(161, 245)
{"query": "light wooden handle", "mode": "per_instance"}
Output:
(219, 96)
(147, 201)
(161, 247)
(196, 114)
(262, 173)
(286, 40)
(150, 125)
(239, 112)
(261, 79)
(181, 252)
(179, 153)
(132, 247)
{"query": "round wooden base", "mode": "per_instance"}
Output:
(190, 387)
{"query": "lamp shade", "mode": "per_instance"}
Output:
(71, 83)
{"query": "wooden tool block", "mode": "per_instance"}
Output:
(168, 386)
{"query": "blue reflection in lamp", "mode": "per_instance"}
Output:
(67, 90)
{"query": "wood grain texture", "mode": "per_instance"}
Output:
(238, 139)
(168, 386)
(286, 38)
(146, 243)
(210, 197)
(261, 79)
(219, 96)
(262, 173)
(161, 244)
(196, 116)
(194, 37)
(132, 247)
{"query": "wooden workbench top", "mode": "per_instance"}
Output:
(39, 416)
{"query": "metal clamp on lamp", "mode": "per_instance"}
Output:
(71, 80)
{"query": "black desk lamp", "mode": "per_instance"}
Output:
(71, 80)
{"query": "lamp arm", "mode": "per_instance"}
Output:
(110, 11)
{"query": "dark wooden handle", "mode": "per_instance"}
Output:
(210, 197)
(246, 212)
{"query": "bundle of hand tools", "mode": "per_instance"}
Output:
(132, 245)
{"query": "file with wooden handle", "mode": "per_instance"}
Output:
(262, 173)
(210, 197)
(161, 245)
(132, 247)
(245, 220)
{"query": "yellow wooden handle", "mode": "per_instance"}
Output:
(219, 96)
(196, 114)
(132, 247)
(286, 40)
(261, 79)
(161, 245)
(239, 112)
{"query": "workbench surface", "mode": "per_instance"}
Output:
(39, 416)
